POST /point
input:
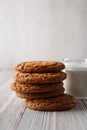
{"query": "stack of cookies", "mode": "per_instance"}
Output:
(41, 84)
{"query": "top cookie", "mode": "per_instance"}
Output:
(39, 66)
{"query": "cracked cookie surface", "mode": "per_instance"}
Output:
(63, 102)
(39, 66)
(35, 96)
(33, 88)
(40, 78)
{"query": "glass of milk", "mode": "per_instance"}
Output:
(76, 82)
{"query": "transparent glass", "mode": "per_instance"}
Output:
(76, 82)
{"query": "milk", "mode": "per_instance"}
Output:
(76, 82)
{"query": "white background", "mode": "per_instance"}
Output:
(42, 30)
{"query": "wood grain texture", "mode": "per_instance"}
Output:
(13, 115)
(68, 120)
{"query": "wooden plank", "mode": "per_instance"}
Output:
(74, 119)
(85, 102)
(11, 112)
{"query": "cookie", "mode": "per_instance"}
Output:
(39, 66)
(40, 78)
(60, 103)
(33, 88)
(39, 95)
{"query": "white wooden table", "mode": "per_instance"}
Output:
(14, 116)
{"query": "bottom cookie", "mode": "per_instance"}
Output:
(63, 102)
(39, 95)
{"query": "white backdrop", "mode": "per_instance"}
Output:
(42, 30)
